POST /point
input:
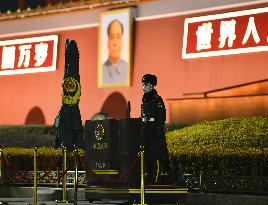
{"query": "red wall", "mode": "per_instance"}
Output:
(157, 49)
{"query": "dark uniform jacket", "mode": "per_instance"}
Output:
(153, 113)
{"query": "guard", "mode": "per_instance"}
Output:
(153, 114)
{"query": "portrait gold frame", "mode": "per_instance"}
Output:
(125, 15)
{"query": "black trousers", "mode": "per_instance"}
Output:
(153, 170)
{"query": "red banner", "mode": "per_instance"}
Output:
(28, 55)
(224, 34)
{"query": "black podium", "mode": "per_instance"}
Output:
(112, 147)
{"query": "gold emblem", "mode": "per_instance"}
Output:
(99, 132)
(73, 89)
(69, 84)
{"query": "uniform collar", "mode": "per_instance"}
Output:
(150, 94)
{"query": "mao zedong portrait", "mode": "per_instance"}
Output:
(115, 69)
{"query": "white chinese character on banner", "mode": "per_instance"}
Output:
(8, 57)
(227, 30)
(204, 36)
(40, 53)
(251, 28)
(25, 55)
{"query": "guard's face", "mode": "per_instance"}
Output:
(115, 41)
(147, 87)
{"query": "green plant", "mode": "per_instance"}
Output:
(237, 146)
(47, 157)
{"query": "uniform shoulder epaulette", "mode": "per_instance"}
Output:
(160, 102)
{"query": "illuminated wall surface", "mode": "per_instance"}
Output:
(158, 48)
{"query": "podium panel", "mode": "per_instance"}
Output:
(129, 142)
(111, 148)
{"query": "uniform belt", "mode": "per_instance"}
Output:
(148, 120)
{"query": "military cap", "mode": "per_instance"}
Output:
(149, 78)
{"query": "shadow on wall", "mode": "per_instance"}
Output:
(115, 106)
(35, 116)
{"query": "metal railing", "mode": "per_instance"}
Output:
(195, 183)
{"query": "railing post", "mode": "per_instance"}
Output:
(200, 182)
(76, 176)
(142, 177)
(64, 179)
(35, 175)
(1, 165)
